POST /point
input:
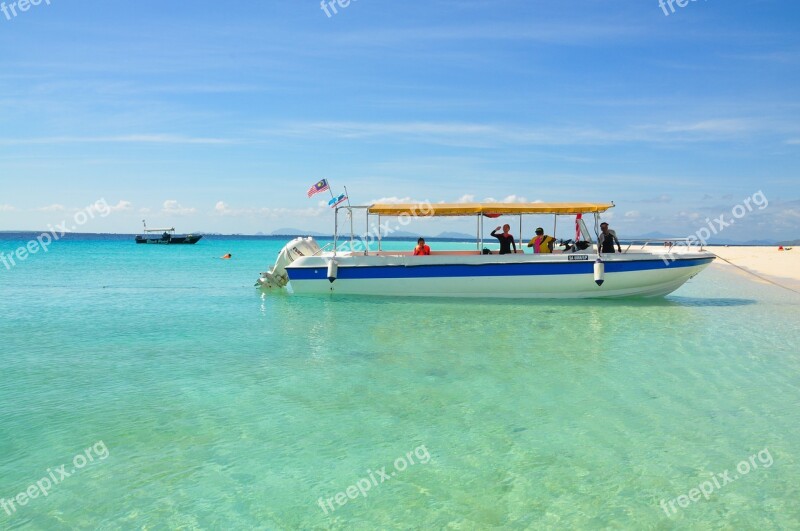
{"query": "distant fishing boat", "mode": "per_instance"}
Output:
(579, 271)
(166, 236)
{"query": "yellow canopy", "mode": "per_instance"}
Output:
(468, 209)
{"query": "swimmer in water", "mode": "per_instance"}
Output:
(226, 256)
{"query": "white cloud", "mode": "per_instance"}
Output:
(173, 207)
(466, 198)
(223, 209)
(633, 214)
(395, 200)
(122, 206)
(663, 198)
(507, 199)
(471, 134)
(791, 213)
(793, 142)
(120, 139)
(710, 126)
(514, 199)
(52, 208)
(7, 208)
(289, 213)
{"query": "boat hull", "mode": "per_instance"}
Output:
(172, 240)
(508, 276)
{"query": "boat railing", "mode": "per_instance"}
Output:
(325, 248)
(668, 243)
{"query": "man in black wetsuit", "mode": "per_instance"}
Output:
(607, 239)
(506, 239)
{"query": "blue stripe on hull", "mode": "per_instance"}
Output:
(485, 270)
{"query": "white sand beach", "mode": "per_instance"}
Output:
(780, 267)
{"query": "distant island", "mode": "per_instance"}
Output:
(398, 234)
(298, 232)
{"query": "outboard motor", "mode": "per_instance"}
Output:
(277, 277)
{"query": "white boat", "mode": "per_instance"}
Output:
(578, 271)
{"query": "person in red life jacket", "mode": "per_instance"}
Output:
(421, 249)
(506, 239)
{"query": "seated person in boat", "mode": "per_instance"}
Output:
(421, 249)
(506, 239)
(542, 243)
(606, 239)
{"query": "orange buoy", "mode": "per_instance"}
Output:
(780, 248)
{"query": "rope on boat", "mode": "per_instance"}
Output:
(755, 274)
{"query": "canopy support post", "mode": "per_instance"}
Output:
(555, 225)
(335, 230)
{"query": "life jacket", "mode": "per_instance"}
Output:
(541, 245)
(424, 251)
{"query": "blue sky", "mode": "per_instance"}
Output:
(219, 116)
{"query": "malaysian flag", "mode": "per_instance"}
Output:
(319, 187)
(578, 227)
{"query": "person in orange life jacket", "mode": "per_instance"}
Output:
(541, 243)
(605, 242)
(506, 239)
(421, 249)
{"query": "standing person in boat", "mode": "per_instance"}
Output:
(606, 239)
(421, 249)
(542, 243)
(506, 239)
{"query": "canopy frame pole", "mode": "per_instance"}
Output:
(555, 225)
(366, 237)
(520, 231)
(379, 233)
(597, 232)
(352, 230)
(335, 230)
(478, 229)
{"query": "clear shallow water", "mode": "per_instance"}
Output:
(224, 408)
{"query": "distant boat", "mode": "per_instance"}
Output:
(166, 237)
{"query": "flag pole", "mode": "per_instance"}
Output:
(347, 196)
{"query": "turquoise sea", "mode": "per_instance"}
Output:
(178, 396)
